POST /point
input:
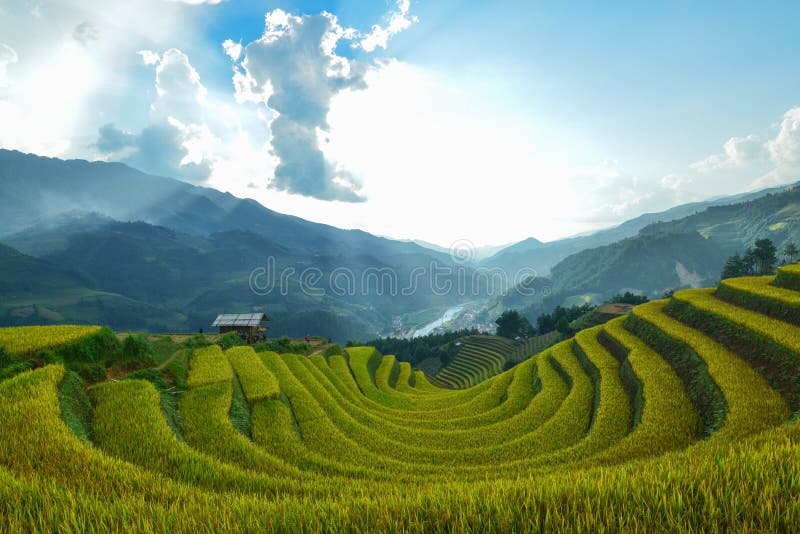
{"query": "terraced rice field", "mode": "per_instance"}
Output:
(29, 339)
(679, 417)
(482, 357)
(479, 358)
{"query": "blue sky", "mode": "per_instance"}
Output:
(486, 121)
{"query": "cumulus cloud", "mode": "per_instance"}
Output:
(294, 69)
(398, 21)
(8, 56)
(159, 149)
(177, 142)
(233, 50)
(737, 151)
(85, 32)
(784, 153)
(113, 140)
(149, 57)
(180, 92)
(784, 149)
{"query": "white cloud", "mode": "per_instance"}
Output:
(785, 147)
(178, 142)
(428, 152)
(784, 152)
(191, 134)
(8, 56)
(606, 193)
(233, 50)
(294, 69)
(675, 182)
(737, 152)
(149, 57)
(379, 36)
(179, 90)
(66, 84)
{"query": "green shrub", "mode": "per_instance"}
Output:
(231, 339)
(76, 406)
(197, 341)
(99, 347)
(179, 368)
(153, 376)
(49, 356)
(283, 345)
(137, 348)
(239, 412)
(90, 372)
(332, 350)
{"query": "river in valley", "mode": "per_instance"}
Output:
(441, 321)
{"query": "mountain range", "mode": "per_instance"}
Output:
(96, 242)
(542, 257)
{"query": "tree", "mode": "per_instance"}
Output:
(628, 298)
(547, 322)
(511, 325)
(562, 327)
(734, 267)
(764, 253)
(749, 263)
(790, 251)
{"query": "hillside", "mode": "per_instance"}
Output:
(736, 227)
(186, 253)
(38, 189)
(648, 264)
(34, 291)
(685, 252)
(654, 421)
(481, 357)
(544, 256)
(189, 251)
(201, 275)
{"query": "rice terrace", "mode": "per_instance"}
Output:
(678, 417)
(399, 266)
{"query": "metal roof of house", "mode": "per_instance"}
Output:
(240, 319)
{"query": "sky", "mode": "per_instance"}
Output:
(446, 121)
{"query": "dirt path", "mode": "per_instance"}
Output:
(168, 360)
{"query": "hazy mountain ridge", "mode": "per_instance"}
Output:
(544, 256)
(182, 253)
(187, 245)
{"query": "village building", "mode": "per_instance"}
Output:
(249, 326)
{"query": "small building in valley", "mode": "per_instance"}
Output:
(249, 326)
